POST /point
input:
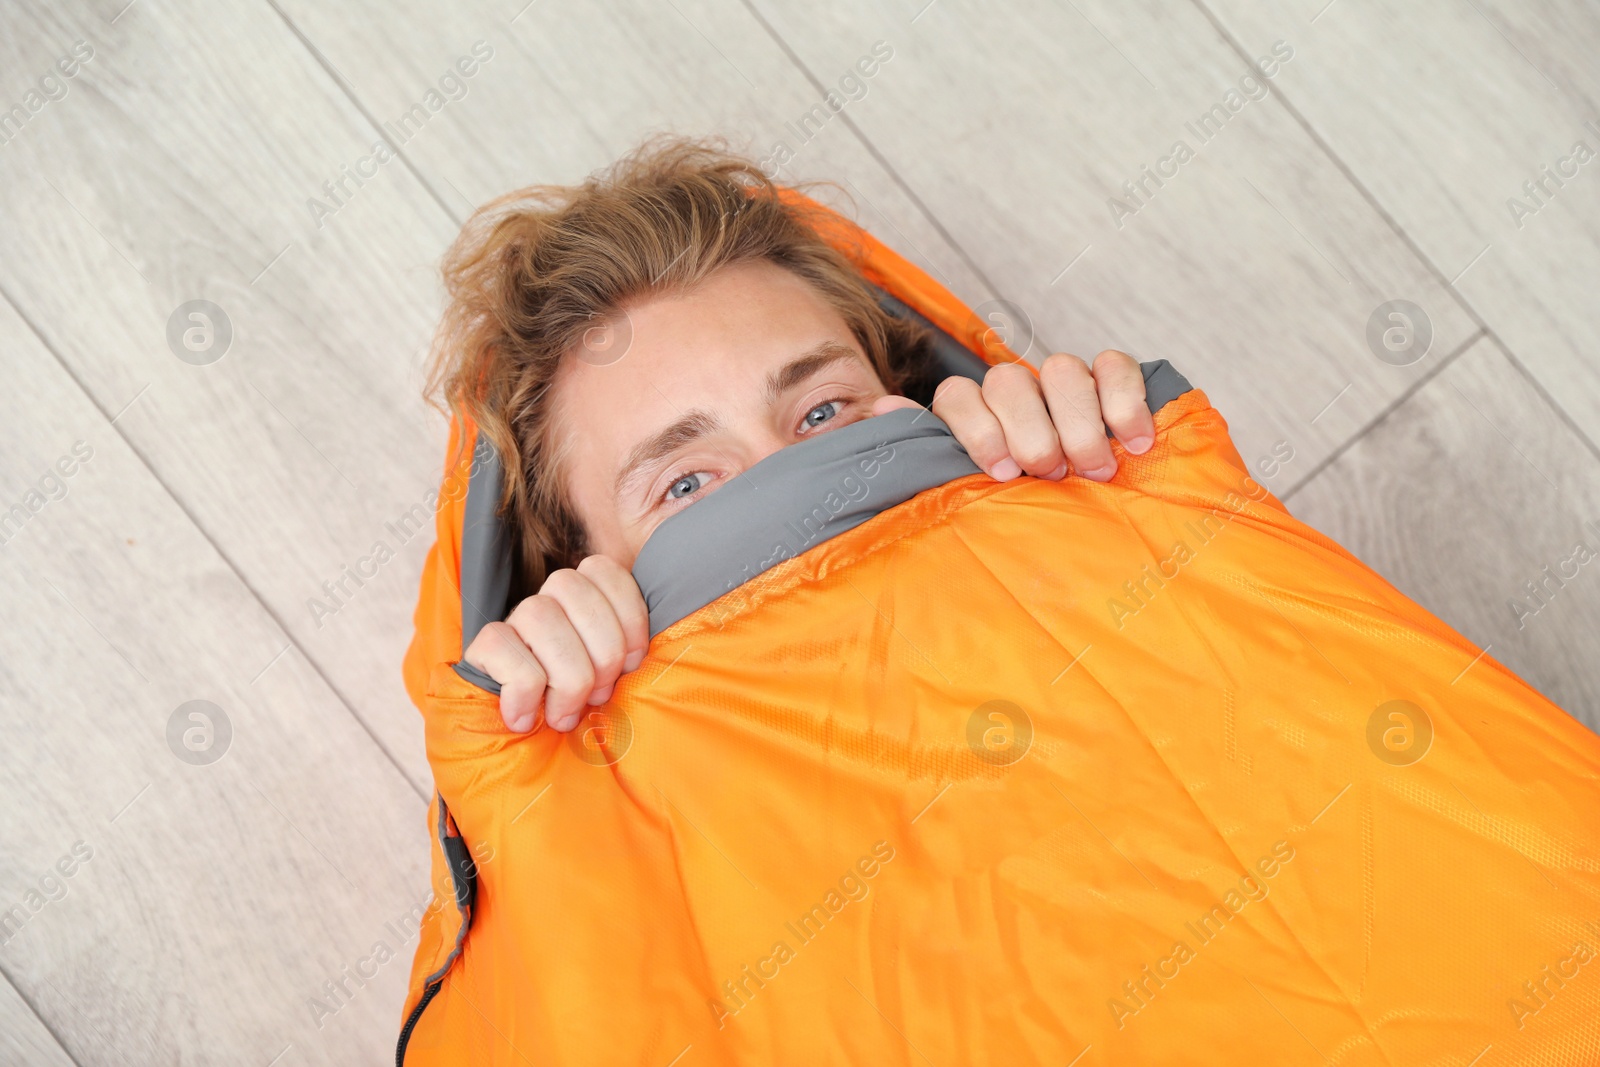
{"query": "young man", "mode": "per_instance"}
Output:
(635, 343)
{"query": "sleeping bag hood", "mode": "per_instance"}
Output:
(927, 769)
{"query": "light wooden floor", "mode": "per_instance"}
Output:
(218, 900)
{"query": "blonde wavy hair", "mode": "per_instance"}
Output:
(533, 271)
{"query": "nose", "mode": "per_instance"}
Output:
(764, 442)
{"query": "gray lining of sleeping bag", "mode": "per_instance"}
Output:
(486, 583)
(794, 499)
(1162, 385)
(485, 557)
(804, 494)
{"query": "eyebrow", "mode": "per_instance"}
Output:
(691, 427)
(804, 366)
(697, 424)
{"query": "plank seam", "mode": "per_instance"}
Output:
(44, 1024)
(1388, 409)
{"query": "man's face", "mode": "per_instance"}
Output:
(712, 382)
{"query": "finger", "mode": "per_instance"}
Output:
(1122, 406)
(885, 404)
(616, 584)
(544, 627)
(1012, 394)
(596, 624)
(1070, 394)
(499, 652)
(959, 402)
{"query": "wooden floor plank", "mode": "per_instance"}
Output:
(1449, 113)
(23, 1038)
(567, 89)
(172, 888)
(1464, 495)
(1254, 266)
(176, 167)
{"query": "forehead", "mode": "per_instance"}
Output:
(712, 346)
(751, 307)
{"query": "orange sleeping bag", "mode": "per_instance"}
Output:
(1005, 773)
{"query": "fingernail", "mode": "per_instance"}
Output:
(1005, 470)
(1101, 474)
(633, 660)
(1059, 473)
(522, 723)
(1139, 445)
(599, 696)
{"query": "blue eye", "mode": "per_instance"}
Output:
(822, 413)
(688, 485)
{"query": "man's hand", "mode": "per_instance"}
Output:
(566, 647)
(1017, 424)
